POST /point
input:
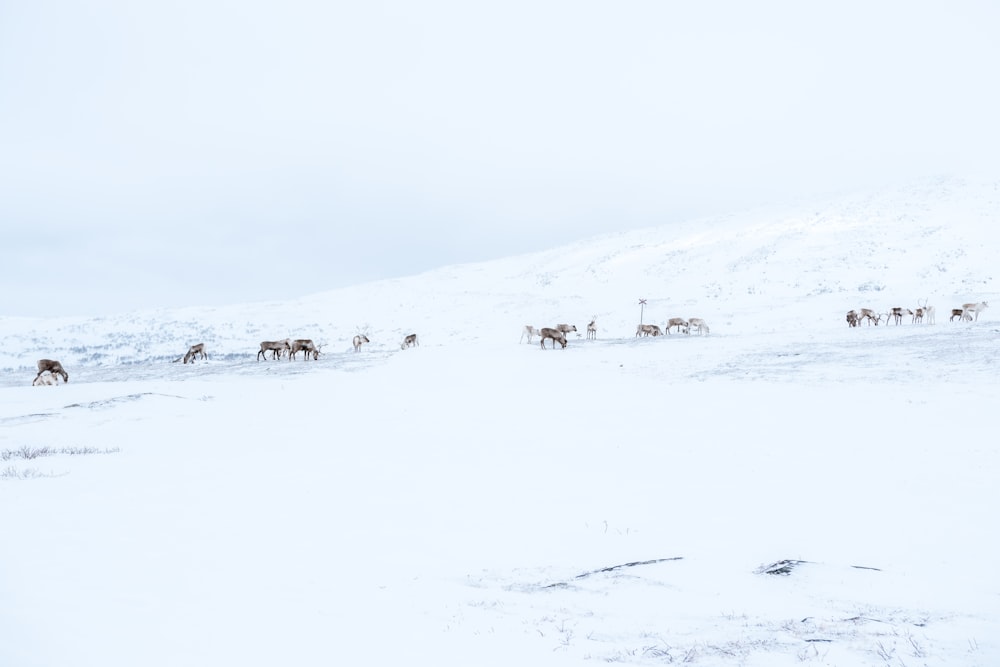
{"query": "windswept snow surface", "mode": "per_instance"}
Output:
(783, 491)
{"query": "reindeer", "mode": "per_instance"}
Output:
(869, 315)
(648, 330)
(46, 379)
(53, 368)
(960, 314)
(680, 323)
(566, 328)
(411, 341)
(699, 325)
(970, 309)
(530, 332)
(592, 329)
(194, 352)
(275, 347)
(929, 313)
(358, 340)
(852, 318)
(897, 314)
(555, 334)
(303, 345)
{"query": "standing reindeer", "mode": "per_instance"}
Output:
(53, 368)
(699, 325)
(970, 309)
(680, 323)
(275, 347)
(555, 335)
(530, 332)
(409, 341)
(592, 329)
(304, 345)
(358, 340)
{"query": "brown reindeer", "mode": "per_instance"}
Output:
(52, 367)
(358, 340)
(409, 341)
(647, 330)
(194, 352)
(304, 345)
(566, 328)
(852, 318)
(680, 323)
(960, 314)
(275, 347)
(555, 335)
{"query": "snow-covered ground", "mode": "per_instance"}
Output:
(785, 490)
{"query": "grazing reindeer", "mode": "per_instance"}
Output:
(411, 341)
(556, 336)
(680, 323)
(869, 315)
(530, 332)
(358, 340)
(648, 330)
(699, 325)
(897, 314)
(960, 314)
(303, 345)
(53, 368)
(194, 352)
(47, 379)
(969, 309)
(592, 329)
(852, 318)
(275, 347)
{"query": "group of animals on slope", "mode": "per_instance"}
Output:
(557, 334)
(49, 371)
(969, 312)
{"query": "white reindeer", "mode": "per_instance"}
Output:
(699, 325)
(359, 339)
(566, 328)
(869, 315)
(592, 329)
(969, 309)
(530, 332)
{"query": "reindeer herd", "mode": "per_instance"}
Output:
(50, 371)
(969, 312)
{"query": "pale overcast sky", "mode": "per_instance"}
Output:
(206, 152)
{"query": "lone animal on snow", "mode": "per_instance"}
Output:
(275, 347)
(592, 329)
(969, 309)
(53, 368)
(555, 335)
(409, 341)
(647, 330)
(852, 318)
(680, 323)
(530, 332)
(194, 352)
(304, 345)
(699, 325)
(358, 340)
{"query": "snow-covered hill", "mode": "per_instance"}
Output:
(785, 490)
